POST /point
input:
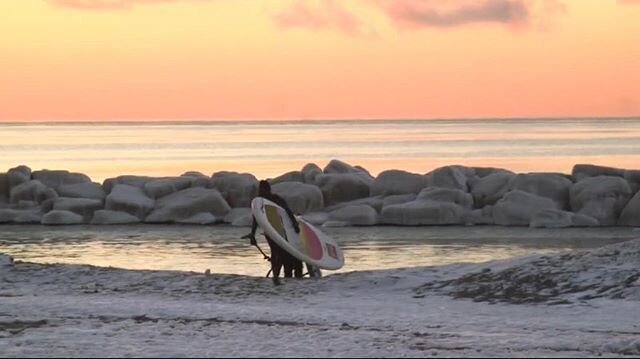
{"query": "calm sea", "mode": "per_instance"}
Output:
(270, 148)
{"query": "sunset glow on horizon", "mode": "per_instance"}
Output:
(321, 59)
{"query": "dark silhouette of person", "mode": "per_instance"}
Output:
(279, 257)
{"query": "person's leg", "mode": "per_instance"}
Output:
(298, 268)
(276, 261)
(288, 269)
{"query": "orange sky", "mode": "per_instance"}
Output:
(273, 59)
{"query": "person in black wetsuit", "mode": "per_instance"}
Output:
(279, 257)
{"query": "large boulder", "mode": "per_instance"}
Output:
(300, 197)
(449, 177)
(630, 215)
(583, 171)
(552, 186)
(198, 179)
(82, 190)
(181, 205)
(397, 182)
(482, 172)
(129, 180)
(356, 215)
(21, 216)
(292, 176)
(18, 175)
(633, 177)
(555, 218)
(160, 187)
(491, 188)
(105, 216)
(129, 199)
(316, 218)
(449, 195)
(517, 208)
(421, 212)
(60, 217)
(199, 218)
(398, 199)
(601, 197)
(239, 217)
(82, 206)
(238, 189)
(482, 215)
(337, 166)
(342, 187)
(32, 190)
(55, 179)
(375, 202)
(309, 173)
(4, 187)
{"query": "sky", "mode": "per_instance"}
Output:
(317, 59)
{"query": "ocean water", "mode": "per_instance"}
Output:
(270, 148)
(220, 249)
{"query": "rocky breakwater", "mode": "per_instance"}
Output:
(337, 195)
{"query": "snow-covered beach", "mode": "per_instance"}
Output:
(575, 303)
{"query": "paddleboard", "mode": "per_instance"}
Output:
(310, 245)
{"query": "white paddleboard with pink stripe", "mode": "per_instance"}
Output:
(310, 245)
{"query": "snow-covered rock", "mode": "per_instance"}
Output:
(394, 182)
(239, 217)
(517, 208)
(490, 189)
(60, 217)
(300, 197)
(82, 206)
(449, 177)
(55, 179)
(199, 218)
(449, 195)
(630, 215)
(32, 190)
(82, 190)
(186, 203)
(238, 189)
(343, 187)
(356, 215)
(105, 216)
(583, 171)
(130, 199)
(423, 212)
(554, 187)
(601, 197)
(555, 218)
(157, 188)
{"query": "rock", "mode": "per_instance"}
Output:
(337, 166)
(633, 177)
(309, 173)
(490, 189)
(550, 186)
(5, 260)
(630, 215)
(193, 174)
(398, 199)
(316, 218)
(422, 212)
(375, 202)
(197, 179)
(82, 190)
(199, 218)
(55, 179)
(82, 206)
(4, 187)
(129, 199)
(187, 203)
(59, 217)
(438, 194)
(300, 197)
(157, 188)
(238, 189)
(448, 177)
(18, 175)
(105, 216)
(129, 180)
(356, 215)
(342, 187)
(555, 218)
(330, 224)
(239, 217)
(583, 171)
(482, 215)
(601, 197)
(517, 208)
(397, 182)
(21, 216)
(293, 176)
(482, 172)
(32, 190)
